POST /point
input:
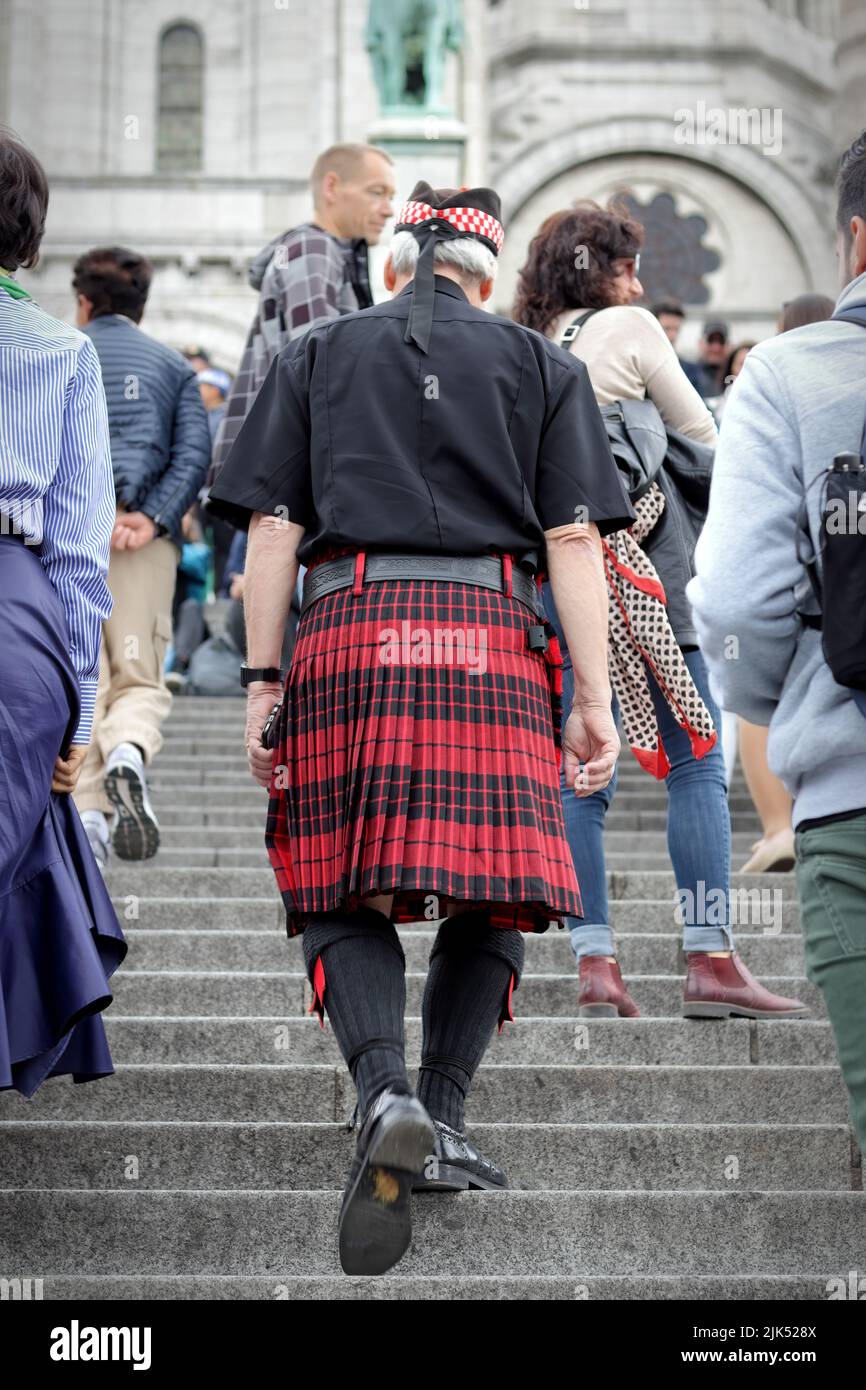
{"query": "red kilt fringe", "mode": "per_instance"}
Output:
(430, 780)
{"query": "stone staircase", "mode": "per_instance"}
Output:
(654, 1158)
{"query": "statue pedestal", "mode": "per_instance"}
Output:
(423, 145)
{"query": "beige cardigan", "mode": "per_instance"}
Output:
(629, 356)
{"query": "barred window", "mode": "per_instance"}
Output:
(181, 89)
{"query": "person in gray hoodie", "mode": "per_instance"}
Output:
(799, 400)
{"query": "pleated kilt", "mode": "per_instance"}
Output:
(414, 762)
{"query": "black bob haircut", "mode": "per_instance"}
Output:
(23, 203)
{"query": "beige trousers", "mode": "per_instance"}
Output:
(132, 698)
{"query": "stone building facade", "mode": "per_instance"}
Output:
(187, 128)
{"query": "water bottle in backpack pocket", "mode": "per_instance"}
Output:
(841, 593)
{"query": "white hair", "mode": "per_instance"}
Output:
(474, 260)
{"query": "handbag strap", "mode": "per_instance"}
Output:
(570, 333)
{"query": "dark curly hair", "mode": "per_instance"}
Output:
(570, 261)
(851, 185)
(23, 203)
(114, 279)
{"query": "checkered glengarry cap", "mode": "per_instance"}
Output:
(438, 214)
(470, 211)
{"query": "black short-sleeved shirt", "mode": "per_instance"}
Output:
(481, 445)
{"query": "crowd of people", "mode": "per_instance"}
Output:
(565, 473)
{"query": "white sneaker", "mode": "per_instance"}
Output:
(136, 830)
(96, 828)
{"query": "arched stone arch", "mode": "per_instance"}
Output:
(771, 242)
(769, 181)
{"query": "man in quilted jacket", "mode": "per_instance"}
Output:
(160, 450)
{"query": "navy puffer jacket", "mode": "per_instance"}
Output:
(160, 441)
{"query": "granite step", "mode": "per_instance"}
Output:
(240, 951)
(150, 878)
(587, 1042)
(501, 1093)
(231, 914)
(253, 993)
(284, 1156)
(552, 1233)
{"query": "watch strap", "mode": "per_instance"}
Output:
(260, 673)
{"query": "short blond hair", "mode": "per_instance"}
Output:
(342, 160)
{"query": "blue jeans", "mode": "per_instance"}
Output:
(698, 831)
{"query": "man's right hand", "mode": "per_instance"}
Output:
(589, 738)
(68, 770)
(132, 531)
(261, 698)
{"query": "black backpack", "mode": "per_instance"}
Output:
(841, 595)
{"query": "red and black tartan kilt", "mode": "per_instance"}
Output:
(397, 772)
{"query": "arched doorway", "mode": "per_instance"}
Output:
(743, 262)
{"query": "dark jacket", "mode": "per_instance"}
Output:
(646, 452)
(484, 443)
(708, 381)
(160, 441)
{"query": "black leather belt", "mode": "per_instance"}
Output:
(484, 570)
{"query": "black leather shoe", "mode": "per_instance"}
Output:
(395, 1141)
(459, 1165)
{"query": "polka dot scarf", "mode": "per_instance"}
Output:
(640, 632)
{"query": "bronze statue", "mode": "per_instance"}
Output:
(407, 41)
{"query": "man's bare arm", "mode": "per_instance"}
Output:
(577, 580)
(270, 576)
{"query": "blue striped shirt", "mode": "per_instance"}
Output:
(56, 480)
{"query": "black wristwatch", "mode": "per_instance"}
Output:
(260, 673)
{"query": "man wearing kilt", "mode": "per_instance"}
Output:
(429, 462)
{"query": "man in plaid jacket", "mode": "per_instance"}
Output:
(313, 272)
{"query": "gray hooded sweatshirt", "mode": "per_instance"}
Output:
(799, 400)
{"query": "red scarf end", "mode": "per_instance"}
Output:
(655, 762)
(702, 746)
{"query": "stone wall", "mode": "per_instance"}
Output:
(560, 101)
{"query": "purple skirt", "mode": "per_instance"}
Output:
(60, 939)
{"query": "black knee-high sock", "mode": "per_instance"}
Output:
(470, 971)
(365, 995)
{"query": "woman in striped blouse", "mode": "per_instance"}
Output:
(60, 939)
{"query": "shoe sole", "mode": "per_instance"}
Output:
(598, 1011)
(376, 1220)
(698, 1010)
(777, 866)
(136, 835)
(453, 1179)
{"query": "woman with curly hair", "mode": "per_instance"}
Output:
(579, 287)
